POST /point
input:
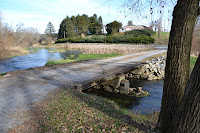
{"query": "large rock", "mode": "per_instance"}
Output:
(115, 82)
(124, 90)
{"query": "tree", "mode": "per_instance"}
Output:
(95, 25)
(113, 27)
(74, 21)
(187, 117)
(82, 24)
(178, 60)
(67, 28)
(95, 16)
(180, 106)
(92, 25)
(101, 25)
(50, 31)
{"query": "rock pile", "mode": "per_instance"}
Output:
(154, 69)
(120, 85)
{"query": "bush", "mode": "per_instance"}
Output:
(141, 39)
(109, 39)
(142, 32)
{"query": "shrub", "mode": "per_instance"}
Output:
(142, 32)
(141, 39)
(109, 39)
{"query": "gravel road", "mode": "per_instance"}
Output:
(23, 88)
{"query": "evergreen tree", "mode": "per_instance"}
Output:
(95, 16)
(50, 31)
(101, 25)
(74, 21)
(67, 28)
(82, 24)
(95, 25)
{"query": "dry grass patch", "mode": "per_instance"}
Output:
(102, 48)
(108, 49)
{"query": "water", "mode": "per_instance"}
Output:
(32, 60)
(151, 103)
(141, 105)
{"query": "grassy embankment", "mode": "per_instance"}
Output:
(2, 74)
(164, 37)
(72, 111)
(95, 51)
(83, 57)
(193, 60)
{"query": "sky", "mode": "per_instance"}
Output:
(37, 13)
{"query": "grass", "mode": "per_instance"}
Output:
(108, 49)
(193, 60)
(2, 74)
(82, 57)
(57, 50)
(156, 56)
(164, 37)
(72, 111)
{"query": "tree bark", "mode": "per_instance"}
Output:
(187, 119)
(178, 60)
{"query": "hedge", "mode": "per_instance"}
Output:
(142, 32)
(109, 39)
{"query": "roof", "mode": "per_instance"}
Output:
(134, 27)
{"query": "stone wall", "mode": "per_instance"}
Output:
(120, 85)
(154, 69)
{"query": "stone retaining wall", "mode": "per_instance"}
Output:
(154, 69)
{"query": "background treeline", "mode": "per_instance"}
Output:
(13, 40)
(134, 36)
(80, 25)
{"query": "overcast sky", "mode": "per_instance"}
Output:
(37, 13)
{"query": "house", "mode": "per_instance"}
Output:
(133, 27)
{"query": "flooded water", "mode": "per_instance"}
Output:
(32, 60)
(150, 103)
(141, 105)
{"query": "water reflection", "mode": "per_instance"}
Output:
(142, 105)
(32, 60)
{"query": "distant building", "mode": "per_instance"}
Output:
(133, 27)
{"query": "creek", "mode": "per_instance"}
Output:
(142, 105)
(32, 60)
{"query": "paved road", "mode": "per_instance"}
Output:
(23, 88)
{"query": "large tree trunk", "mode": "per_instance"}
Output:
(187, 119)
(178, 60)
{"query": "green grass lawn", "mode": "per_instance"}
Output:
(164, 37)
(72, 111)
(83, 57)
(2, 74)
(193, 61)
